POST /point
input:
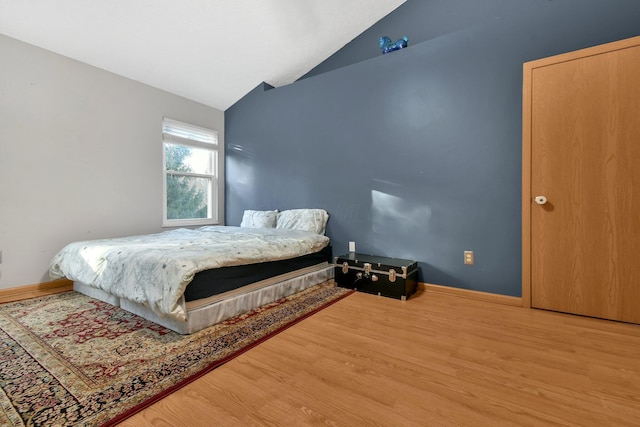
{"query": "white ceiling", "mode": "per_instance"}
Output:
(210, 51)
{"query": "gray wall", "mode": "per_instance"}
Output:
(80, 156)
(417, 153)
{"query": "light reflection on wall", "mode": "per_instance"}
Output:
(397, 218)
(240, 166)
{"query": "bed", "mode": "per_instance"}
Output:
(188, 279)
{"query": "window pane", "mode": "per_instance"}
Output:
(182, 158)
(188, 197)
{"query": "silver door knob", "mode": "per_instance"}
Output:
(541, 200)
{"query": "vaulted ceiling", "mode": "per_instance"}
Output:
(210, 51)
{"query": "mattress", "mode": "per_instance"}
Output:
(219, 280)
(156, 269)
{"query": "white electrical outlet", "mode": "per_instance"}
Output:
(468, 257)
(352, 246)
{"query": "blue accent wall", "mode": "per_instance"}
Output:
(416, 153)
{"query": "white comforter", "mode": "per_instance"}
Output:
(155, 269)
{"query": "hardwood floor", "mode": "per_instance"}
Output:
(435, 360)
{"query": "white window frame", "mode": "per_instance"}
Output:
(176, 132)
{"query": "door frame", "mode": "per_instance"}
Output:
(527, 196)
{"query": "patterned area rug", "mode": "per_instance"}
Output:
(68, 359)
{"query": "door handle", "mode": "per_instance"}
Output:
(541, 200)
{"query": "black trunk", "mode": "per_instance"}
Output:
(389, 277)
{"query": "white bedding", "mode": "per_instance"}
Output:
(154, 270)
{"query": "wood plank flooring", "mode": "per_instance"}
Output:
(434, 360)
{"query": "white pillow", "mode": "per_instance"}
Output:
(259, 219)
(314, 220)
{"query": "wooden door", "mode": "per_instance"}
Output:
(581, 150)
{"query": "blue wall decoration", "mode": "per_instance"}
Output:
(386, 45)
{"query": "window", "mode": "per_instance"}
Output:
(191, 158)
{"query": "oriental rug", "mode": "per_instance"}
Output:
(69, 359)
